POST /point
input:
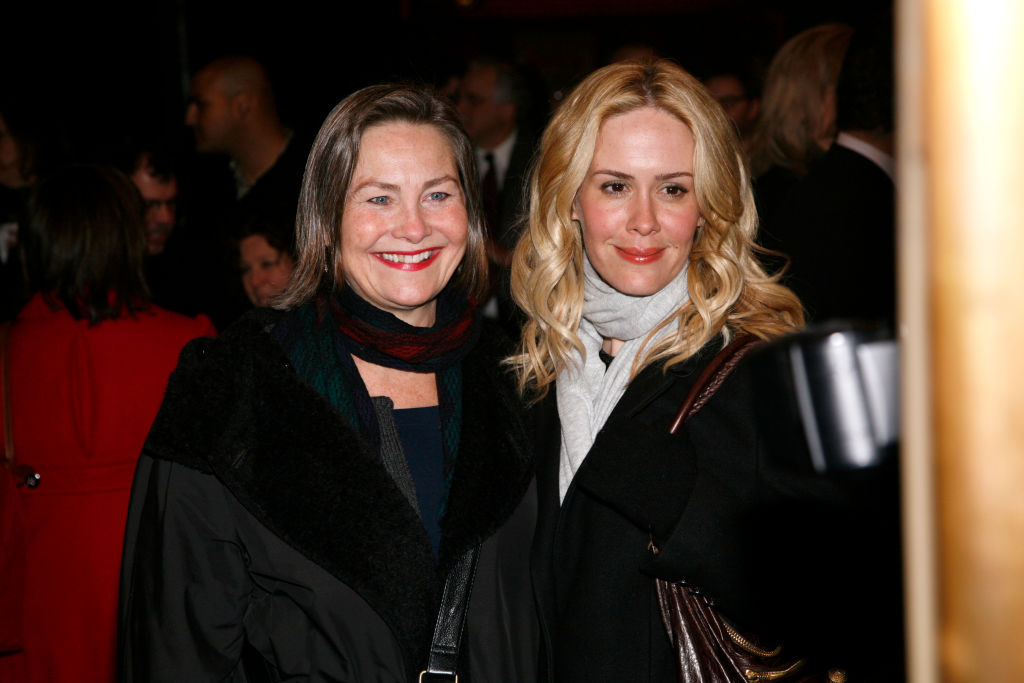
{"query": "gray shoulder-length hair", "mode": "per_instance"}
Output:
(329, 170)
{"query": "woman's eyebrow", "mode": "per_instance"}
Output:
(391, 187)
(627, 176)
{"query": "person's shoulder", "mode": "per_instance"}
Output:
(839, 187)
(486, 371)
(179, 324)
(837, 165)
(207, 356)
(252, 322)
(214, 379)
(730, 392)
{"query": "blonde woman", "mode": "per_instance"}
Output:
(798, 111)
(635, 269)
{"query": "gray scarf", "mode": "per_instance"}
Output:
(586, 392)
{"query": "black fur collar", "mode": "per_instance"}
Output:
(235, 408)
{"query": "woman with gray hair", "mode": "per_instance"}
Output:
(317, 474)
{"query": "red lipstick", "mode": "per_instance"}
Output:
(640, 257)
(409, 260)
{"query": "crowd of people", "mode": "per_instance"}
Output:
(396, 397)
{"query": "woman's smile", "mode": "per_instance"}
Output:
(409, 260)
(641, 256)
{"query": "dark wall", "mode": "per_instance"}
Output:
(104, 69)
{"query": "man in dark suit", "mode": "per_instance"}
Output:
(494, 103)
(838, 225)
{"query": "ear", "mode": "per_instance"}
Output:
(575, 213)
(827, 119)
(242, 104)
(755, 108)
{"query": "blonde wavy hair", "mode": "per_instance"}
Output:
(729, 291)
(798, 99)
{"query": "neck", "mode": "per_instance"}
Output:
(612, 346)
(405, 389)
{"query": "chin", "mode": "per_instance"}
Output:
(639, 286)
(410, 305)
(413, 297)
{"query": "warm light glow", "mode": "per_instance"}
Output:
(972, 146)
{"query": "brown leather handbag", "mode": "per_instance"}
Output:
(709, 649)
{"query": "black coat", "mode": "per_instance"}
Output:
(264, 535)
(838, 227)
(725, 518)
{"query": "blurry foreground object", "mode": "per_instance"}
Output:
(842, 384)
(828, 407)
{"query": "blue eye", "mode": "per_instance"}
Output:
(380, 200)
(437, 196)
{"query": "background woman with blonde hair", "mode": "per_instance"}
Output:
(798, 111)
(637, 266)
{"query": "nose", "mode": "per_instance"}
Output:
(258, 278)
(163, 213)
(643, 219)
(413, 227)
(254, 283)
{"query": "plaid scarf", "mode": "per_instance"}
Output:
(321, 337)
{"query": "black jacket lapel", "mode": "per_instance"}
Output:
(494, 464)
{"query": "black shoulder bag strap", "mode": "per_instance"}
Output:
(451, 620)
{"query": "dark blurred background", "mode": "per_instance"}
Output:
(103, 69)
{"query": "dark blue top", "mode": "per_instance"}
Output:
(419, 429)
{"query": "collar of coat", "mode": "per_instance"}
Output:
(235, 408)
(634, 465)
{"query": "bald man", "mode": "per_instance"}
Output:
(232, 112)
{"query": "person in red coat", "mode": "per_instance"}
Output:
(89, 360)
